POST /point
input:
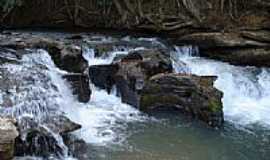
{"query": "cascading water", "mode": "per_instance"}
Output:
(41, 91)
(105, 116)
(29, 94)
(107, 122)
(246, 89)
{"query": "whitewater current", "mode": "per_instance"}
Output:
(246, 90)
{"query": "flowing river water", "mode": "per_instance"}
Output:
(117, 131)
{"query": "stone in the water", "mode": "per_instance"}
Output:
(72, 60)
(8, 134)
(80, 86)
(79, 149)
(41, 138)
(102, 76)
(187, 93)
(131, 72)
(135, 69)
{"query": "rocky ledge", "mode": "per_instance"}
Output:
(240, 48)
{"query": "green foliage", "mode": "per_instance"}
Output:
(8, 5)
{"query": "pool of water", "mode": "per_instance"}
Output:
(176, 138)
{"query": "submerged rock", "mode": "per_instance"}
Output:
(8, 134)
(190, 94)
(80, 86)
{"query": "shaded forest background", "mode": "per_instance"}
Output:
(164, 15)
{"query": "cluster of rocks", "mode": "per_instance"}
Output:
(36, 135)
(143, 78)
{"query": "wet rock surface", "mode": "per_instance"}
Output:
(42, 137)
(8, 133)
(190, 94)
(80, 86)
(79, 148)
(102, 76)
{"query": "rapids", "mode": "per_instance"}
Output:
(117, 131)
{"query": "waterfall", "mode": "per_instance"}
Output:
(246, 91)
(105, 117)
(29, 94)
(41, 91)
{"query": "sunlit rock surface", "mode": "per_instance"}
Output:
(8, 133)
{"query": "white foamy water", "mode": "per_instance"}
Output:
(105, 117)
(40, 90)
(246, 90)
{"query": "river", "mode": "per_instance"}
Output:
(117, 131)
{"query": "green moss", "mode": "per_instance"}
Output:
(146, 101)
(149, 100)
(215, 106)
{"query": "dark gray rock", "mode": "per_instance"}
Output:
(80, 86)
(42, 137)
(190, 94)
(102, 76)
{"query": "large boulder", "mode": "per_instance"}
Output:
(190, 94)
(8, 134)
(80, 86)
(135, 69)
(43, 137)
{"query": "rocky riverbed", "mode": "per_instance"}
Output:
(73, 95)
